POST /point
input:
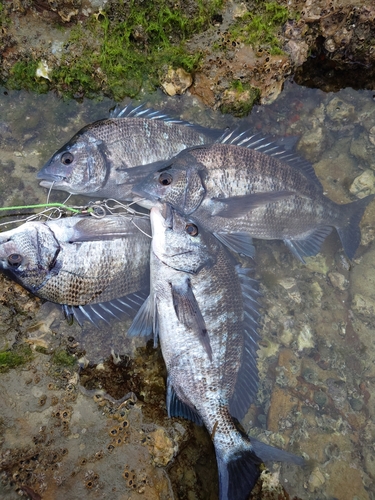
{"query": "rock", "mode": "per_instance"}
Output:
(176, 81)
(305, 338)
(316, 480)
(161, 447)
(317, 264)
(363, 305)
(362, 284)
(297, 51)
(339, 110)
(338, 280)
(363, 149)
(364, 184)
(239, 102)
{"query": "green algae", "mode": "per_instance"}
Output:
(243, 97)
(62, 358)
(23, 76)
(260, 26)
(14, 357)
(122, 49)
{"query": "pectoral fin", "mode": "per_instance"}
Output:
(237, 206)
(188, 312)
(107, 228)
(237, 242)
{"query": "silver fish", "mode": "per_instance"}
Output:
(204, 310)
(240, 192)
(95, 162)
(94, 267)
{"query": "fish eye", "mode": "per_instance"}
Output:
(67, 158)
(191, 229)
(165, 179)
(15, 259)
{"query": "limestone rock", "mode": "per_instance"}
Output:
(176, 81)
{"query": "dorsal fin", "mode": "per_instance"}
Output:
(271, 147)
(131, 111)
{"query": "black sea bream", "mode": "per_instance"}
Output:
(96, 161)
(237, 193)
(88, 265)
(203, 308)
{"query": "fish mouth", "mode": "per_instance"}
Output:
(49, 177)
(138, 191)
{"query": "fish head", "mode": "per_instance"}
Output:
(28, 254)
(179, 183)
(180, 243)
(79, 167)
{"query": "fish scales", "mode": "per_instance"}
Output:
(233, 189)
(96, 161)
(198, 303)
(79, 261)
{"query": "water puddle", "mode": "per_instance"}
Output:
(61, 438)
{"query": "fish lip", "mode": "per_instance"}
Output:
(49, 177)
(138, 191)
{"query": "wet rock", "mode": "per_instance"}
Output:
(239, 102)
(339, 111)
(362, 285)
(318, 264)
(298, 51)
(161, 447)
(345, 482)
(363, 305)
(364, 150)
(305, 338)
(316, 479)
(338, 280)
(364, 184)
(176, 81)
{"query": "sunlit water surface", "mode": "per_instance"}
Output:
(317, 352)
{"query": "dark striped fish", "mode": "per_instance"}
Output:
(96, 268)
(259, 191)
(203, 308)
(96, 161)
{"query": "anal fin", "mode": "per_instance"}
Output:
(176, 408)
(309, 246)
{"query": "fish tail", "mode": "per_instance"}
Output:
(238, 473)
(349, 232)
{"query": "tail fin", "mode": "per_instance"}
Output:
(239, 470)
(349, 232)
(238, 474)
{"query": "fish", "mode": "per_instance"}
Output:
(239, 192)
(97, 159)
(203, 309)
(96, 268)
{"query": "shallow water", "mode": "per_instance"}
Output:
(317, 351)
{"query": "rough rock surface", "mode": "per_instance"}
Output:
(339, 34)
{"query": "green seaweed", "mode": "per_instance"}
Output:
(62, 358)
(123, 49)
(244, 98)
(14, 357)
(260, 27)
(23, 76)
